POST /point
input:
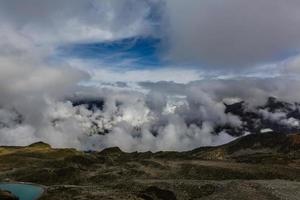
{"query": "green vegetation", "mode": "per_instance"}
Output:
(204, 173)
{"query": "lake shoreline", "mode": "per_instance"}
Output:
(42, 187)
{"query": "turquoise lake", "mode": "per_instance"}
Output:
(23, 191)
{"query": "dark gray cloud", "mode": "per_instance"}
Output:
(234, 33)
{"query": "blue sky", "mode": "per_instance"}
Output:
(50, 48)
(196, 39)
(145, 53)
(134, 53)
(143, 50)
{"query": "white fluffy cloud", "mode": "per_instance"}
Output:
(176, 115)
(62, 21)
(170, 116)
(135, 121)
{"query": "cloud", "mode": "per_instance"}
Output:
(134, 121)
(290, 67)
(279, 117)
(27, 82)
(57, 21)
(170, 116)
(102, 72)
(232, 33)
(168, 108)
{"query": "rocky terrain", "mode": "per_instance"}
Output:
(275, 115)
(257, 166)
(6, 195)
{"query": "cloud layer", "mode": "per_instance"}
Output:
(232, 33)
(136, 109)
(168, 116)
(65, 21)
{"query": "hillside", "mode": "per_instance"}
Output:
(258, 166)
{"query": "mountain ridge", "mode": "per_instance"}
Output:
(252, 165)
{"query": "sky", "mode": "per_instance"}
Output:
(147, 56)
(147, 37)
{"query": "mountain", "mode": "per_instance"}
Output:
(255, 148)
(91, 115)
(274, 116)
(89, 103)
(257, 166)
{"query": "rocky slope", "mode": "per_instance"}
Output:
(274, 115)
(260, 166)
